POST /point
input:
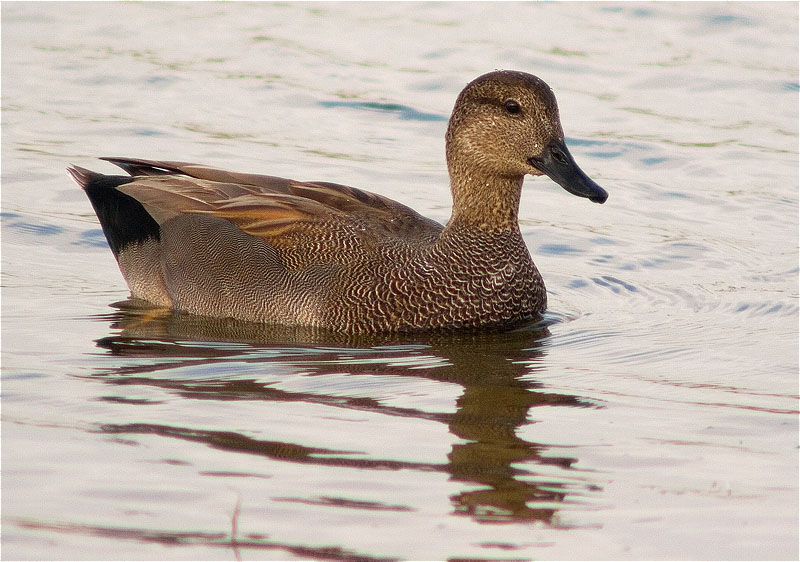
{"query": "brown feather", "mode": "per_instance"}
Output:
(264, 205)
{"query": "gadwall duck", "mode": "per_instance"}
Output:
(322, 255)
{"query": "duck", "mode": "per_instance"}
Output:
(320, 255)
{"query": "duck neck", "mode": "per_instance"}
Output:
(484, 202)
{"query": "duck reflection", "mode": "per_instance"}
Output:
(496, 371)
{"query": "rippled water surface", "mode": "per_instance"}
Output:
(653, 414)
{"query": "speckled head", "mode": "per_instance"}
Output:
(505, 124)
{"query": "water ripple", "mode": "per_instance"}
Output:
(403, 112)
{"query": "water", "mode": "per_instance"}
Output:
(652, 415)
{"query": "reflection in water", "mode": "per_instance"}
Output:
(494, 370)
(219, 540)
(494, 404)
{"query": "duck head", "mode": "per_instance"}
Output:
(505, 124)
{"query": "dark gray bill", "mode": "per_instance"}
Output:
(557, 163)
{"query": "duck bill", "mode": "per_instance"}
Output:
(557, 163)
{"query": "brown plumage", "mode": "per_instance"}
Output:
(274, 250)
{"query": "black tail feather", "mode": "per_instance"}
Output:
(124, 220)
(139, 167)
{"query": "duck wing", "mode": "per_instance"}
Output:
(270, 207)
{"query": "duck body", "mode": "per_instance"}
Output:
(273, 250)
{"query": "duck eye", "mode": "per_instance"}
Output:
(512, 107)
